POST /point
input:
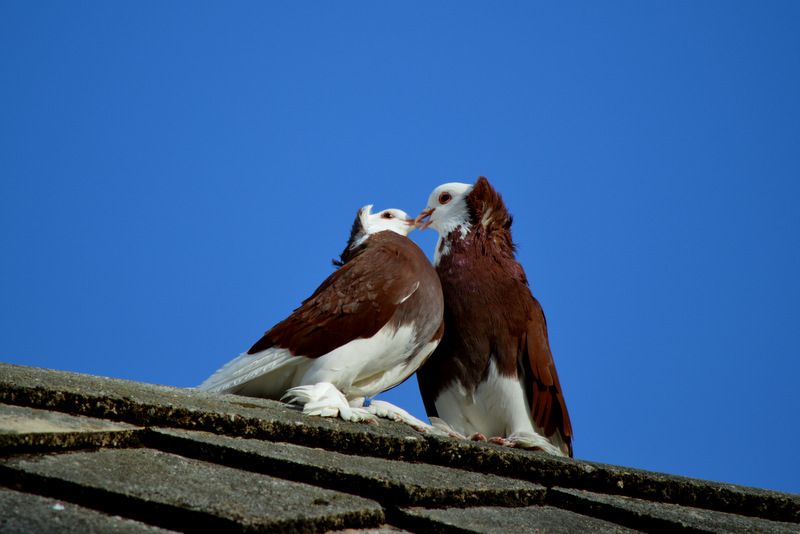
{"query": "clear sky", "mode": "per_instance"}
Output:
(177, 177)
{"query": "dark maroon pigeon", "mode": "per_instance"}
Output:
(493, 373)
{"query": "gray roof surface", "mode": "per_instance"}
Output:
(81, 453)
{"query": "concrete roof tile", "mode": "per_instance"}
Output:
(161, 457)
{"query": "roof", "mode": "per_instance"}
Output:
(81, 453)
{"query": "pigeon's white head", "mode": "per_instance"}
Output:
(447, 209)
(392, 219)
(368, 223)
(465, 208)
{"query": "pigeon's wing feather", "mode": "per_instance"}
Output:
(548, 407)
(356, 301)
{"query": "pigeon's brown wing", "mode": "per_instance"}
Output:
(355, 301)
(548, 408)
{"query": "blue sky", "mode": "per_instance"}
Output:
(177, 177)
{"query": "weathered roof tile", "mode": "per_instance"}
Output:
(183, 493)
(403, 483)
(33, 514)
(489, 520)
(31, 429)
(650, 516)
(187, 460)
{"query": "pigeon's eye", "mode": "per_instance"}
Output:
(387, 215)
(444, 198)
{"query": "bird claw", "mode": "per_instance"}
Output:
(387, 410)
(502, 441)
(444, 429)
(357, 415)
(525, 440)
(325, 400)
(522, 440)
(325, 409)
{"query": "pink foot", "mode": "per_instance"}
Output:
(477, 436)
(502, 441)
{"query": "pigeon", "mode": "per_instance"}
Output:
(493, 373)
(365, 329)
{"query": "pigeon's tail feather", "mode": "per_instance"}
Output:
(242, 374)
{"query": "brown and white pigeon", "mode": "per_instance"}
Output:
(366, 328)
(493, 373)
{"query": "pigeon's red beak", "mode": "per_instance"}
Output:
(420, 220)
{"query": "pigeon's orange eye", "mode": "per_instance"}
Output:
(444, 198)
(387, 215)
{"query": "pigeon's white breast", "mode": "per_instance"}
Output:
(367, 366)
(497, 407)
